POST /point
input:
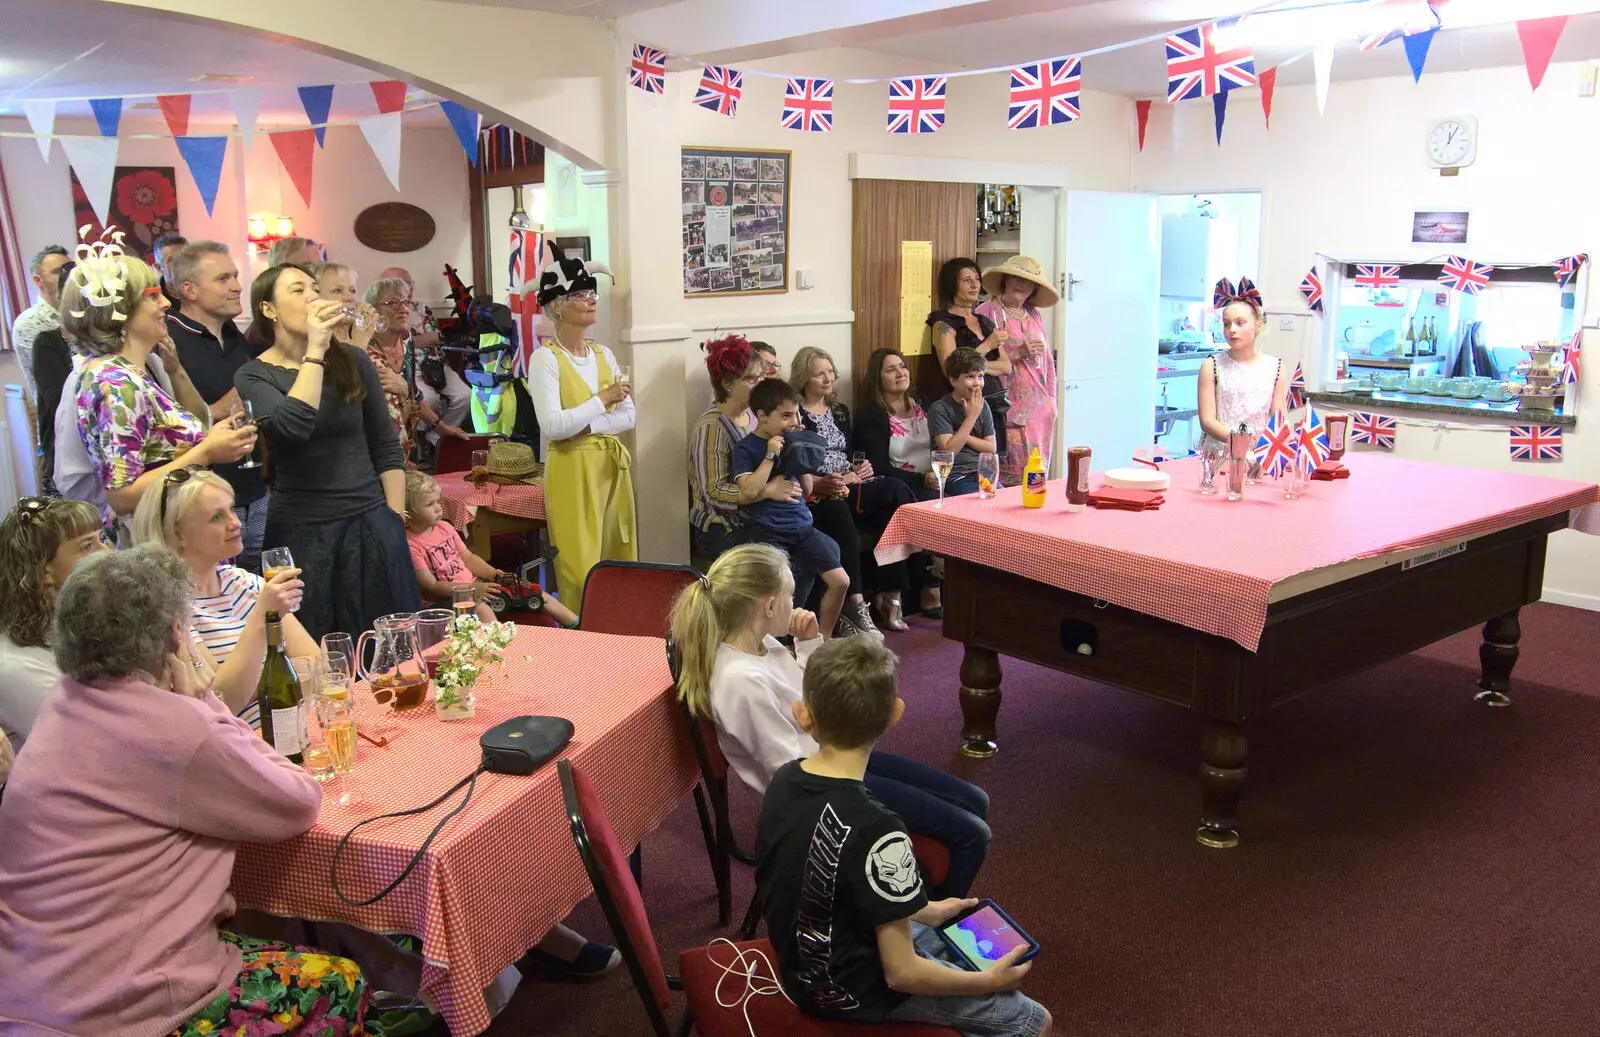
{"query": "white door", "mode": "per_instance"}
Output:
(1113, 265)
(1040, 238)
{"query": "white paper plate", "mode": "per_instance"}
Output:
(1138, 477)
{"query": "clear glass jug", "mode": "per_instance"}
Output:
(397, 664)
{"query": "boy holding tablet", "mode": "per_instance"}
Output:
(854, 932)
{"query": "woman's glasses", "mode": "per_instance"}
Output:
(586, 295)
(31, 508)
(171, 479)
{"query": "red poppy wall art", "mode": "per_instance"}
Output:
(144, 206)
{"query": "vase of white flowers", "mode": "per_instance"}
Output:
(469, 649)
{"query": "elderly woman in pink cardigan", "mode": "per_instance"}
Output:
(120, 823)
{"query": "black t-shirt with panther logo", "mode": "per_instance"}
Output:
(834, 865)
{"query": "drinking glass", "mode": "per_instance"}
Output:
(464, 598)
(432, 627)
(1213, 460)
(1299, 477)
(273, 561)
(362, 319)
(988, 475)
(624, 374)
(244, 413)
(336, 717)
(317, 761)
(943, 461)
(480, 467)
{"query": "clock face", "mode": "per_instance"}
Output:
(1450, 142)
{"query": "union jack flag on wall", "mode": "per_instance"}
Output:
(1567, 268)
(1388, 20)
(808, 105)
(648, 70)
(720, 90)
(1536, 442)
(916, 104)
(1045, 94)
(1377, 275)
(1377, 430)
(1297, 387)
(1196, 68)
(1464, 275)
(1311, 288)
(1276, 446)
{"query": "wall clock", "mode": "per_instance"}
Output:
(1452, 141)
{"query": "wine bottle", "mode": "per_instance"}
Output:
(283, 707)
(1411, 338)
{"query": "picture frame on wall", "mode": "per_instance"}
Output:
(1439, 228)
(575, 247)
(735, 221)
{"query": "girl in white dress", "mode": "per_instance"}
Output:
(1242, 386)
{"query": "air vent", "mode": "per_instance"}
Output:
(220, 77)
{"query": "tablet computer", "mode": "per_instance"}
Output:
(984, 934)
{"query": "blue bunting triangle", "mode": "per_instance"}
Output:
(204, 156)
(318, 101)
(108, 114)
(1219, 106)
(466, 123)
(1417, 51)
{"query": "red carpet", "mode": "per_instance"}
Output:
(1412, 864)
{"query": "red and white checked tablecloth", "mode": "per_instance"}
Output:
(1210, 563)
(505, 870)
(461, 499)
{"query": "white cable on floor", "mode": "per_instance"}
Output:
(744, 965)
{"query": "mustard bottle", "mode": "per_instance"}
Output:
(1033, 482)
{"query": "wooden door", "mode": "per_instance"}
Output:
(888, 212)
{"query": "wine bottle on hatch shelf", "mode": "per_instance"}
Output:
(283, 706)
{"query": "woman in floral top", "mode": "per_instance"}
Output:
(391, 299)
(134, 431)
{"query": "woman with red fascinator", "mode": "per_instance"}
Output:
(1243, 386)
(735, 367)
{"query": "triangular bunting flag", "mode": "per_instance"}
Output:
(1219, 109)
(1311, 288)
(204, 156)
(317, 101)
(1177, 126)
(94, 159)
(1141, 112)
(42, 121)
(383, 134)
(246, 110)
(1269, 84)
(1417, 51)
(107, 114)
(467, 124)
(1322, 65)
(175, 109)
(1566, 269)
(1297, 386)
(390, 95)
(1539, 37)
(295, 149)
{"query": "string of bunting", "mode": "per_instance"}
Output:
(1530, 442)
(1457, 273)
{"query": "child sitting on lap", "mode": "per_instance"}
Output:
(961, 421)
(442, 560)
(732, 668)
(776, 503)
(854, 932)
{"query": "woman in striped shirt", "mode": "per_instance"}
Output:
(735, 368)
(191, 511)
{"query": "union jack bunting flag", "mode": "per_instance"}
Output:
(1388, 20)
(1311, 288)
(916, 104)
(1277, 445)
(1297, 387)
(1374, 429)
(1196, 68)
(1045, 94)
(1464, 275)
(1314, 438)
(808, 105)
(1377, 275)
(1567, 268)
(648, 70)
(720, 89)
(1535, 442)
(1573, 352)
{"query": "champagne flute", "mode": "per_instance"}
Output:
(273, 561)
(943, 461)
(316, 758)
(337, 717)
(244, 413)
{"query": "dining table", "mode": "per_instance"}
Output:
(485, 509)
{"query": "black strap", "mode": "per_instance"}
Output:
(470, 780)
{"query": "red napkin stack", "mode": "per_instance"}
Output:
(1328, 471)
(1126, 500)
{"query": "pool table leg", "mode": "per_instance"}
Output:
(1222, 770)
(980, 702)
(1496, 656)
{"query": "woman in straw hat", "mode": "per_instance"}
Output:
(1018, 289)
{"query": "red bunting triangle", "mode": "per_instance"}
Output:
(176, 108)
(1539, 36)
(295, 149)
(1269, 82)
(1142, 109)
(390, 95)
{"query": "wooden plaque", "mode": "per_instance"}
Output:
(394, 227)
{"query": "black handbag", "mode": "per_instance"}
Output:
(522, 745)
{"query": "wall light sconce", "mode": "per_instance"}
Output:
(266, 231)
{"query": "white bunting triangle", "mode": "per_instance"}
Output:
(383, 134)
(41, 120)
(247, 110)
(94, 159)
(1175, 113)
(1322, 64)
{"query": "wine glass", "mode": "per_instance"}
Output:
(273, 561)
(943, 461)
(336, 715)
(361, 319)
(244, 413)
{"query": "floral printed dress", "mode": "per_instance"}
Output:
(1031, 387)
(283, 989)
(130, 425)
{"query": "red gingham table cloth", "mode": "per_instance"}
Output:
(1209, 563)
(461, 499)
(502, 872)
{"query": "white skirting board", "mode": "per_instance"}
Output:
(1591, 602)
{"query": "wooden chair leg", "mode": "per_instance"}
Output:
(752, 918)
(686, 1027)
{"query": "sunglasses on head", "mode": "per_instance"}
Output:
(171, 479)
(30, 508)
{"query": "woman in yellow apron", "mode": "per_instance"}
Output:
(582, 405)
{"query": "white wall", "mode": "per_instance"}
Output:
(1347, 182)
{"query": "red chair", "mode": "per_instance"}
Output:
(632, 597)
(619, 897)
(455, 455)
